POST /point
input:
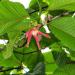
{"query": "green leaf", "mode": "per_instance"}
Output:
(37, 4)
(71, 55)
(13, 15)
(4, 0)
(13, 20)
(11, 11)
(61, 4)
(55, 47)
(28, 56)
(35, 16)
(64, 29)
(61, 58)
(10, 62)
(68, 69)
(50, 64)
(39, 69)
(9, 47)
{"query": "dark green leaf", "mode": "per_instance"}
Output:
(68, 69)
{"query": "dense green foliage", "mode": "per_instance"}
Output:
(15, 20)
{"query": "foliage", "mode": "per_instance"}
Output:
(15, 21)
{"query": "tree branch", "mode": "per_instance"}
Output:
(43, 8)
(27, 52)
(19, 67)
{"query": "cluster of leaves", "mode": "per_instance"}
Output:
(15, 20)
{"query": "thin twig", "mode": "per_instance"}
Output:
(25, 53)
(19, 67)
(33, 11)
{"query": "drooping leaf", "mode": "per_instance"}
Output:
(63, 5)
(13, 20)
(38, 70)
(29, 56)
(50, 64)
(64, 29)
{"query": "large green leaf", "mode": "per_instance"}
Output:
(13, 20)
(13, 15)
(29, 56)
(64, 29)
(61, 4)
(11, 11)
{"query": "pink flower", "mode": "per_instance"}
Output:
(34, 32)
